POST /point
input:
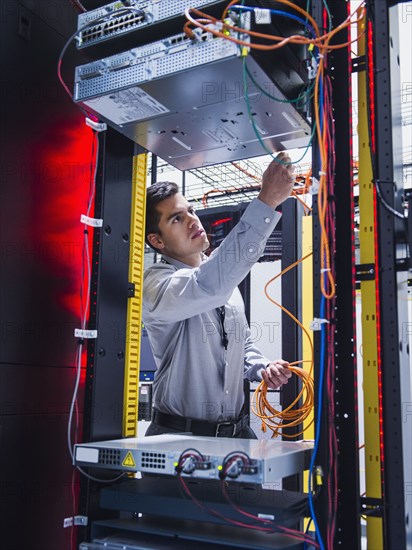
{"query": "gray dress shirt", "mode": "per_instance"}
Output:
(196, 376)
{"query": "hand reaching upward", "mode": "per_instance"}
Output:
(277, 181)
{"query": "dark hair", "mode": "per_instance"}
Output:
(156, 193)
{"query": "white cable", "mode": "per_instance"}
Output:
(74, 398)
(83, 319)
(83, 325)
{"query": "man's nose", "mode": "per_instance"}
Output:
(193, 219)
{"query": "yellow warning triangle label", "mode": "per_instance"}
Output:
(129, 461)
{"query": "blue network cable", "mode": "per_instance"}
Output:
(321, 372)
(245, 73)
(318, 419)
(323, 299)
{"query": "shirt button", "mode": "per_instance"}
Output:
(267, 220)
(226, 392)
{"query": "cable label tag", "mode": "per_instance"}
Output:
(76, 520)
(80, 520)
(262, 16)
(67, 522)
(267, 516)
(80, 333)
(317, 323)
(96, 126)
(92, 222)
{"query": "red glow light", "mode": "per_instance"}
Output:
(219, 222)
(63, 190)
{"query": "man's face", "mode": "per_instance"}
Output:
(181, 235)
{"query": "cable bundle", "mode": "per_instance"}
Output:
(233, 461)
(289, 417)
(227, 26)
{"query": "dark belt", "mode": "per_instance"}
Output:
(200, 427)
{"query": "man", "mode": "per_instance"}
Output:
(194, 313)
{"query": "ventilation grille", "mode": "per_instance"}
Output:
(109, 456)
(89, 83)
(110, 82)
(154, 461)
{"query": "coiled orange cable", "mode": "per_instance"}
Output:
(277, 420)
(289, 417)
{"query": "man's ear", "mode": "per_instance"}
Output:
(155, 241)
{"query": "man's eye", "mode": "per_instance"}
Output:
(177, 219)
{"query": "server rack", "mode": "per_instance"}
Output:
(347, 499)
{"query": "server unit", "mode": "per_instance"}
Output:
(119, 26)
(267, 461)
(200, 101)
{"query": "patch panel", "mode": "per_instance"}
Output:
(118, 19)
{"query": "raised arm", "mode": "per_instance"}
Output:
(172, 294)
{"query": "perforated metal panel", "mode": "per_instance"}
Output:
(110, 457)
(153, 460)
(146, 63)
(97, 86)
